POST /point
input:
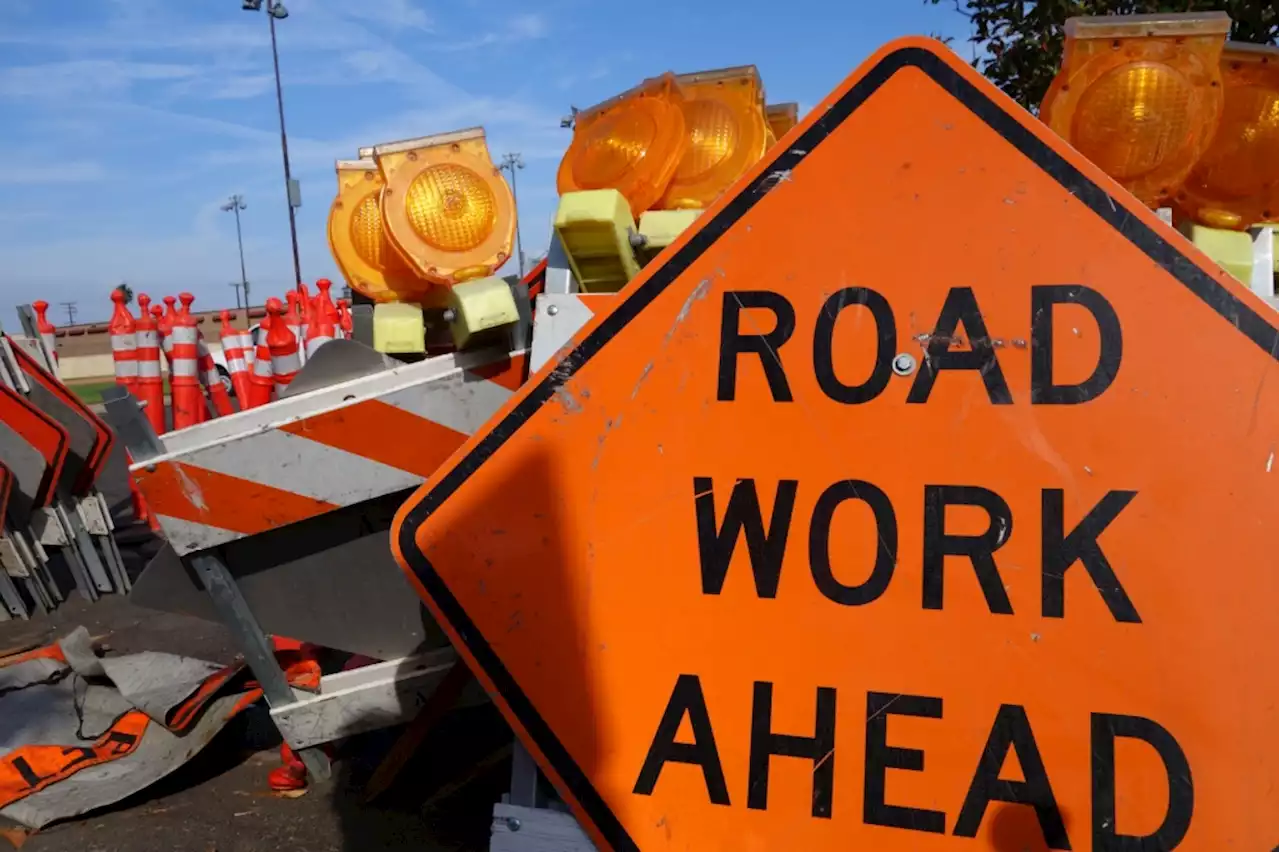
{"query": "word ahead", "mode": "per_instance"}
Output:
(1010, 731)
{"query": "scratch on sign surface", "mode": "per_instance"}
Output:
(191, 490)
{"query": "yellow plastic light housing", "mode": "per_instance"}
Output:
(725, 124)
(1234, 185)
(359, 242)
(781, 118)
(632, 143)
(1140, 95)
(448, 212)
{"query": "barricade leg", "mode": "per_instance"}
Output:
(234, 612)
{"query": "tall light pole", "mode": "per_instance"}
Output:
(511, 162)
(234, 205)
(276, 10)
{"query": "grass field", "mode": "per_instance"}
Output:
(90, 390)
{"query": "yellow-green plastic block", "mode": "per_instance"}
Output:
(1232, 250)
(398, 328)
(595, 228)
(660, 229)
(479, 306)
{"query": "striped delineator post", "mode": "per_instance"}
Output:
(48, 334)
(124, 344)
(234, 344)
(165, 324)
(293, 319)
(282, 342)
(319, 331)
(344, 318)
(207, 367)
(184, 359)
(150, 382)
(260, 377)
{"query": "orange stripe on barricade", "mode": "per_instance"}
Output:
(205, 497)
(381, 432)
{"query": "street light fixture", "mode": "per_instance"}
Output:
(511, 162)
(234, 205)
(277, 12)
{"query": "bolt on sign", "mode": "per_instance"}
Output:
(922, 497)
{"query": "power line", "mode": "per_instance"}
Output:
(70, 308)
(511, 162)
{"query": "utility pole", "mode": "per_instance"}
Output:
(276, 10)
(70, 308)
(511, 162)
(234, 205)
(237, 285)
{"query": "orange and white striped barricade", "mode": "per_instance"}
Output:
(304, 490)
(124, 344)
(234, 344)
(184, 382)
(309, 483)
(282, 342)
(150, 379)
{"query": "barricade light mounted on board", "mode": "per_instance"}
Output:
(632, 142)
(1234, 185)
(726, 134)
(1140, 96)
(359, 242)
(446, 208)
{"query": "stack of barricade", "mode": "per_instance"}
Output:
(52, 449)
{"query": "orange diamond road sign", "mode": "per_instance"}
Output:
(924, 492)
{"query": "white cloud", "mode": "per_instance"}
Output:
(395, 14)
(525, 27)
(18, 172)
(84, 77)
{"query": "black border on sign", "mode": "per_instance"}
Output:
(1219, 298)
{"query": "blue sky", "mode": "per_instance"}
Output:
(125, 124)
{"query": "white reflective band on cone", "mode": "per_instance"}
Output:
(183, 334)
(148, 339)
(148, 369)
(185, 367)
(123, 343)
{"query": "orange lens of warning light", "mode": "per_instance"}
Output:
(1140, 95)
(632, 143)
(359, 242)
(727, 132)
(448, 212)
(1234, 185)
